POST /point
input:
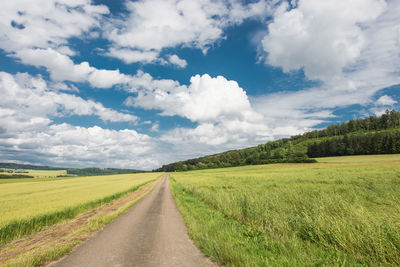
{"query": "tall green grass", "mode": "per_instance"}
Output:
(29, 207)
(294, 214)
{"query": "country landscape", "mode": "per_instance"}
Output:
(199, 133)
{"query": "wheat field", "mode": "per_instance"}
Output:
(29, 205)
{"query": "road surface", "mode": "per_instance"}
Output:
(151, 233)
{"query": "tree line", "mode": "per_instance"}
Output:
(390, 119)
(354, 137)
(387, 142)
(98, 171)
(70, 171)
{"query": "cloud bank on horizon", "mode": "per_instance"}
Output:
(137, 84)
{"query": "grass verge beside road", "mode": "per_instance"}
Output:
(294, 214)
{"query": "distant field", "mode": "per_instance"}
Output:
(360, 159)
(28, 206)
(337, 214)
(40, 173)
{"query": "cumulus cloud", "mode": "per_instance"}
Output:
(131, 56)
(385, 100)
(322, 37)
(175, 60)
(225, 134)
(214, 137)
(153, 25)
(205, 99)
(28, 133)
(28, 102)
(106, 78)
(352, 48)
(155, 127)
(27, 24)
(84, 145)
(62, 68)
(225, 117)
(38, 35)
(67, 145)
(221, 109)
(382, 104)
(144, 81)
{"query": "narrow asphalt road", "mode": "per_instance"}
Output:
(151, 233)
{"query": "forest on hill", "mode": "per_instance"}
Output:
(70, 171)
(371, 135)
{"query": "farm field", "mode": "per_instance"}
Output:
(39, 173)
(35, 179)
(362, 158)
(341, 213)
(27, 206)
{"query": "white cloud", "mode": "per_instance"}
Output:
(67, 145)
(224, 115)
(131, 56)
(60, 86)
(28, 133)
(382, 104)
(213, 137)
(350, 46)
(322, 37)
(226, 134)
(153, 25)
(155, 127)
(205, 99)
(144, 81)
(29, 24)
(385, 100)
(117, 148)
(28, 102)
(41, 39)
(175, 60)
(62, 68)
(226, 118)
(106, 78)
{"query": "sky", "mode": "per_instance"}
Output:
(139, 84)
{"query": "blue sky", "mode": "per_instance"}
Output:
(137, 84)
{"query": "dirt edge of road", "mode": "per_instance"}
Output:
(57, 240)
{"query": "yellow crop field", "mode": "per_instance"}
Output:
(39, 173)
(46, 173)
(28, 206)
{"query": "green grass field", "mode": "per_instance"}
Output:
(27, 206)
(361, 159)
(344, 212)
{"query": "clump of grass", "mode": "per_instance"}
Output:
(294, 214)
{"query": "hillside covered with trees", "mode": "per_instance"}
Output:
(371, 135)
(70, 171)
